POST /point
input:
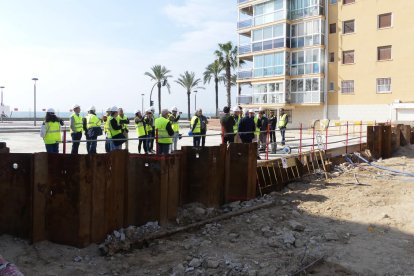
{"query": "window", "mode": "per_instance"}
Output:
(349, 2)
(305, 8)
(331, 57)
(384, 85)
(307, 33)
(349, 27)
(384, 20)
(347, 87)
(332, 28)
(268, 38)
(384, 53)
(348, 57)
(269, 65)
(333, 1)
(331, 86)
(307, 62)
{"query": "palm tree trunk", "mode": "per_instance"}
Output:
(188, 104)
(216, 80)
(159, 98)
(228, 77)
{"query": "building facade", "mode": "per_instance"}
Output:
(342, 60)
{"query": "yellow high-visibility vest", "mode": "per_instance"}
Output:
(112, 132)
(283, 121)
(161, 126)
(92, 121)
(52, 135)
(197, 128)
(78, 123)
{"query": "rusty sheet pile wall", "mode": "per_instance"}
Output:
(78, 199)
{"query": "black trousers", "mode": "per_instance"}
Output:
(75, 145)
(203, 138)
(196, 141)
(228, 138)
(143, 141)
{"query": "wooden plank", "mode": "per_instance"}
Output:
(40, 190)
(395, 138)
(241, 166)
(204, 175)
(100, 176)
(386, 141)
(16, 180)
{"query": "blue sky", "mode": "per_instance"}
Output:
(95, 52)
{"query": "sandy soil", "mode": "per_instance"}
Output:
(356, 229)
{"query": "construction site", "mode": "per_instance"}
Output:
(343, 210)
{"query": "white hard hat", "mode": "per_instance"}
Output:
(236, 108)
(92, 108)
(152, 108)
(50, 110)
(174, 109)
(114, 109)
(149, 110)
(138, 111)
(108, 109)
(260, 109)
(251, 111)
(76, 106)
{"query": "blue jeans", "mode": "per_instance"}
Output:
(75, 145)
(282, 132)
(52, 148)
(163, 148)
(91, 145)
(196, 140)
(113, 147)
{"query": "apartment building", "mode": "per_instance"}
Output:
(342, 60)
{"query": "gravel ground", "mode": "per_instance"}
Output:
(359, 222)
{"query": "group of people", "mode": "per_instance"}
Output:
(237, 127)
(247, 127)
(165, 129)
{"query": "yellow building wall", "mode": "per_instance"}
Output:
(364, 42)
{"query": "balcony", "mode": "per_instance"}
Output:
(243, 1)
(244, 99)
(269, 98)
(245, 49)
(315, 97)
(245, 24)
(245, 74)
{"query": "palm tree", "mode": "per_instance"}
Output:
(227, 57)
(160, 75)
(189, 82)
(213, 71)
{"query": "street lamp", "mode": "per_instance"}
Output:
(163, 82)
(2, 111)
(2, 87)
(142, 103)
(34, 101)
(195, 99)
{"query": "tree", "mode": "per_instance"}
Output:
(227, 57)
(213, 71)
(233, 81)
(189, 81)
(160, 75)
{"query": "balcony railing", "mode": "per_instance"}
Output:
(269, 98)
(306, 97)
(245, 74)
(245, 24)
(245, 49)
(244, 99)
(243, 1)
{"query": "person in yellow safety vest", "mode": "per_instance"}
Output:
(50, 131)
(150, 129)
(174, 118)
(283, 121)
(106, 131)
(93, 130)
(165, 132)
(140, 127)
(76, 128)
(115, 130)
(257, 130)
(152, 134)
(124, 121)
(195, 126)
(236, 116)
